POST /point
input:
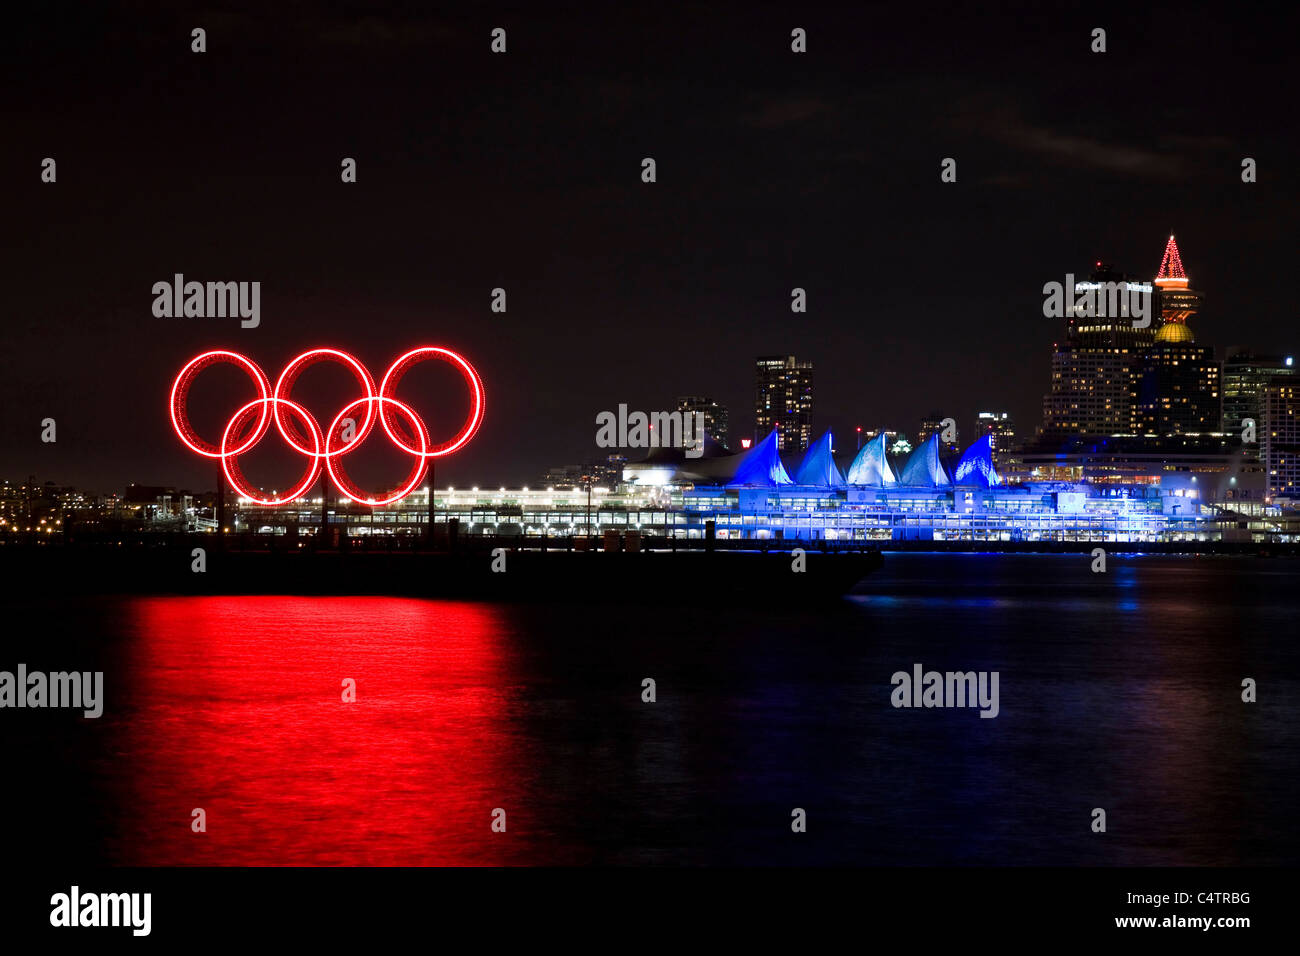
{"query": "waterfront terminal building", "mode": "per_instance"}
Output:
(1082, 494)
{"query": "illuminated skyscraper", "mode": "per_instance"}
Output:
(1280, 447)
(783, 400)
(1179, 390)
(1095, 368)
(1001, 431)
(1178, 302)
(1245, 376)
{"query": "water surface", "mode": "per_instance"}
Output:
(1120, 691)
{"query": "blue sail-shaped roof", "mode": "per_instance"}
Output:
(762, 466)
(818, 466)
(976, 465)
(871, 467)
(924, 469)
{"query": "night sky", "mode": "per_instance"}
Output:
(522, 170)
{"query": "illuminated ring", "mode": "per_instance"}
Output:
(268, 410)
(230, 464)
(180, 394)
(284, 385)
(335, 466)
(472, 421)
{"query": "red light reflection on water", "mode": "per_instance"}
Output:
(234, 705)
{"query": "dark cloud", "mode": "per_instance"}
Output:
(787, 111)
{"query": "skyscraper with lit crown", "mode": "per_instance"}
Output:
(1179, 390)
(1178, 302)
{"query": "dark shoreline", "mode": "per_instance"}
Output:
(732, 570)
(651, 577)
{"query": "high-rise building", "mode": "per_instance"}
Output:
(1245, 376)
(1001, 430)
(716, 423)
(1280, 447)
(1178, 391)
(933, 424)
(997, 425)
(783, 399)
(1095, 366)
(1178, 302)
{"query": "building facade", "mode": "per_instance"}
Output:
(783, 400)
(933, 424)
(716, 423)
(1095, 368)
(1280, 449)
(1178, 389)
(1246, 374)
(1154, 499)
(1001, 429)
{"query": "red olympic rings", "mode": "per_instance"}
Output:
(241, 434)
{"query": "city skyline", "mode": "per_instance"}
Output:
(624, 291)
(1185, 305)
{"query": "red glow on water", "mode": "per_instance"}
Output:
(234, 705)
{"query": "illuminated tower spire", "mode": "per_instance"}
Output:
(1178, 302)
(1171, 274)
